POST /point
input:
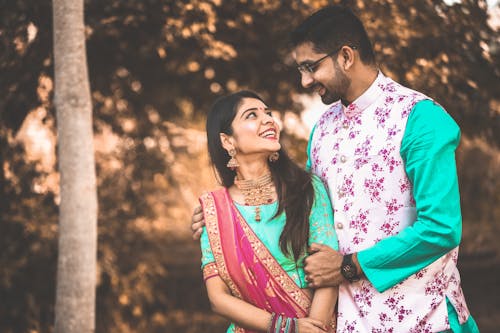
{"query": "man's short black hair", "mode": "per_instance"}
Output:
(332, 27)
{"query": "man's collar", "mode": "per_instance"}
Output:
(366, 99)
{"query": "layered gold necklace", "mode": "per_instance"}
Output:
(256, 192)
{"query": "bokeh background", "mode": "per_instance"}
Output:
(155, 67)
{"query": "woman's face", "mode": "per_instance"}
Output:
(254, 129)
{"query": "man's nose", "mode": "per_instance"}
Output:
(306, 80)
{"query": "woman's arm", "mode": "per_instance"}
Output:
(245, 314)
(240, 312)
(323, 305)
(322, 232)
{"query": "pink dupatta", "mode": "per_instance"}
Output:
(245, 264)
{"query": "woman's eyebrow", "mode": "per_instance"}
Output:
(251, 109)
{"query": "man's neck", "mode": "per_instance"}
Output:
(361, 80)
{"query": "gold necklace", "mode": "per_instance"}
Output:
(256, 192)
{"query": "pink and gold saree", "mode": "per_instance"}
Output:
(245, 264)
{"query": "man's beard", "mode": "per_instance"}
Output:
(339, 86)
(329, 98)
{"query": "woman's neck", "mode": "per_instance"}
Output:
(253, 170)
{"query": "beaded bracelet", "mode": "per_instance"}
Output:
(282, 324)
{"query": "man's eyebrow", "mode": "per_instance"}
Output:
(308, 62)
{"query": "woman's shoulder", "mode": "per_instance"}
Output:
(320, 189)
(317, 182)
(215, 191)
(208, 198)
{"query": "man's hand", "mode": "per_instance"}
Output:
(322, 267)
(309, 325)
(197, 222)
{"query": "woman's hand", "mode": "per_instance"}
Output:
(309, 325)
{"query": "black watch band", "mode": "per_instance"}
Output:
(349, 269)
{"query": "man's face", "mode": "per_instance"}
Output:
(327, 78)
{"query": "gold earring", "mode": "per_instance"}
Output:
(274, 157)
(233, 163)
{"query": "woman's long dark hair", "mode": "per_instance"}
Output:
(293, 185)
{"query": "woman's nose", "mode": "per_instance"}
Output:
(268, 118)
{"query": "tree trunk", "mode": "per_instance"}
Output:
(76, 266)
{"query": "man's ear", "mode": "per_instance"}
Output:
(227, 141)
(347, 55)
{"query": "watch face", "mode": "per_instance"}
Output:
(349, 271)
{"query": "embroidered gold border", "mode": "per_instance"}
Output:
(301, 297)
(211, 222)
(210, 270)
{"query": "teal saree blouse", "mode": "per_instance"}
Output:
(269, 229)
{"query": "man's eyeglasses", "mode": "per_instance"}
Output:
(311, 67)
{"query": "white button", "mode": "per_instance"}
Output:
(340, 225)
(343, 159)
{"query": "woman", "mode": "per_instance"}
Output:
(259, 225)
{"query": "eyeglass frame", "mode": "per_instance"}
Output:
(311, 68)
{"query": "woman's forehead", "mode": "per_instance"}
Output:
(248, 103)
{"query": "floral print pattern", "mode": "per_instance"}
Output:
(356, 152)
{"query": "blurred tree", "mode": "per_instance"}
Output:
(76, 268)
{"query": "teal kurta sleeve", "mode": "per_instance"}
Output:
(206, 251)
(428, 152)
(308, 163)
(321, 228)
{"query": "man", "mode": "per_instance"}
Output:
(387, 156)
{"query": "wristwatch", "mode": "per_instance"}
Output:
(349, 269)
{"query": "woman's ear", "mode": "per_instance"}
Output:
(227, 141)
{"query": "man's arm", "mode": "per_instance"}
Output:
(428, 151)
(323, 266)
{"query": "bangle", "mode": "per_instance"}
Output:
(271, 323)
(282, 324)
